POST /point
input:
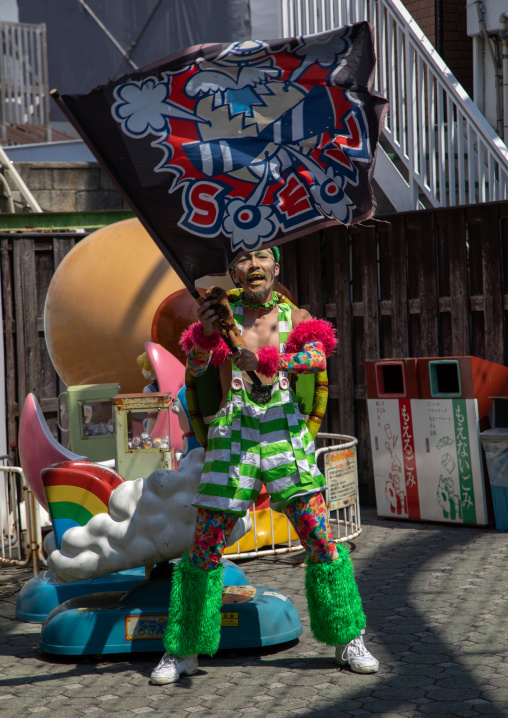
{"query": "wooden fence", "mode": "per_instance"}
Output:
(28, 263)
(428, 283)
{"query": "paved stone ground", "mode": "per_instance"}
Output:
(436, 601)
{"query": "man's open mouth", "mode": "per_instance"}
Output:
(256, 278)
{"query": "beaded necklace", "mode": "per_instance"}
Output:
(267, 305)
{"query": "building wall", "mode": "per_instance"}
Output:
(423, 12)
(81, 56)
(457, 48)
(9, 11)
(266, 19)
(445, 24)
(66, 187)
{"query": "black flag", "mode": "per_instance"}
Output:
(221, 149)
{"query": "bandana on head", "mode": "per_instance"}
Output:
(276, 255)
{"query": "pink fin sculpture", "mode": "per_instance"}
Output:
(170, 373)
(38, 448)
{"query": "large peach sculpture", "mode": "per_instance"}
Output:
(101, 302)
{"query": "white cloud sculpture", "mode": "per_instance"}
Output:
(149, 520)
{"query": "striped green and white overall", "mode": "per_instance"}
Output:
(251, 444)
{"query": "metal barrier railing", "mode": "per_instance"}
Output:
(281, 537)
(344, 520)
(271, 534)
(18, 515)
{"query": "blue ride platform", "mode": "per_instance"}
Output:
(115, 622)
(42, 594)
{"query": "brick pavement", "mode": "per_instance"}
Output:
(436, 602)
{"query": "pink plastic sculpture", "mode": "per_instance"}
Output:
(170, 373)
(38, 448)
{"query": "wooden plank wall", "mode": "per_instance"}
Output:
(428, 283)
(28, 262)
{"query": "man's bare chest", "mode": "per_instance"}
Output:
(260, 331)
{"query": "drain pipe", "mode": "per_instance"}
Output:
(503, 20)
(497, 70)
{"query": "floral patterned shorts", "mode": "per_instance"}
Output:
(307, 514)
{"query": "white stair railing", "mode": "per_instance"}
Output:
(24, 94)
(444, 148)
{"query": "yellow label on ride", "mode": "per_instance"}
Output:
(145, 628)
(229, 619)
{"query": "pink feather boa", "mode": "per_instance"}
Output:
(268, 361)
(194, 336)
(312, 330)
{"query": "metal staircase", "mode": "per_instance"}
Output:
(436, 148)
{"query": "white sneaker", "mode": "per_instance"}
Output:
(170, 669)
(357, 656)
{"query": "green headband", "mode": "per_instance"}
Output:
(276, 255)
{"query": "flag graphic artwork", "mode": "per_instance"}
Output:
(222, 149)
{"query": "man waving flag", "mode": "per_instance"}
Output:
(221, 149)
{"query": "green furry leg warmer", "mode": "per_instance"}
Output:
(194, 610)
(335, 607)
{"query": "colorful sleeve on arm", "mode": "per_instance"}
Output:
(201, 349)
(310, 360)
(307, 348)
(198, 360)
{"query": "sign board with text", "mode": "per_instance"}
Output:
(427, 459)
(341, 473)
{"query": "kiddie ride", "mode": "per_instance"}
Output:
(126, 611)
(107, 523)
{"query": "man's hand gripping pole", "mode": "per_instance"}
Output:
(226, 326)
